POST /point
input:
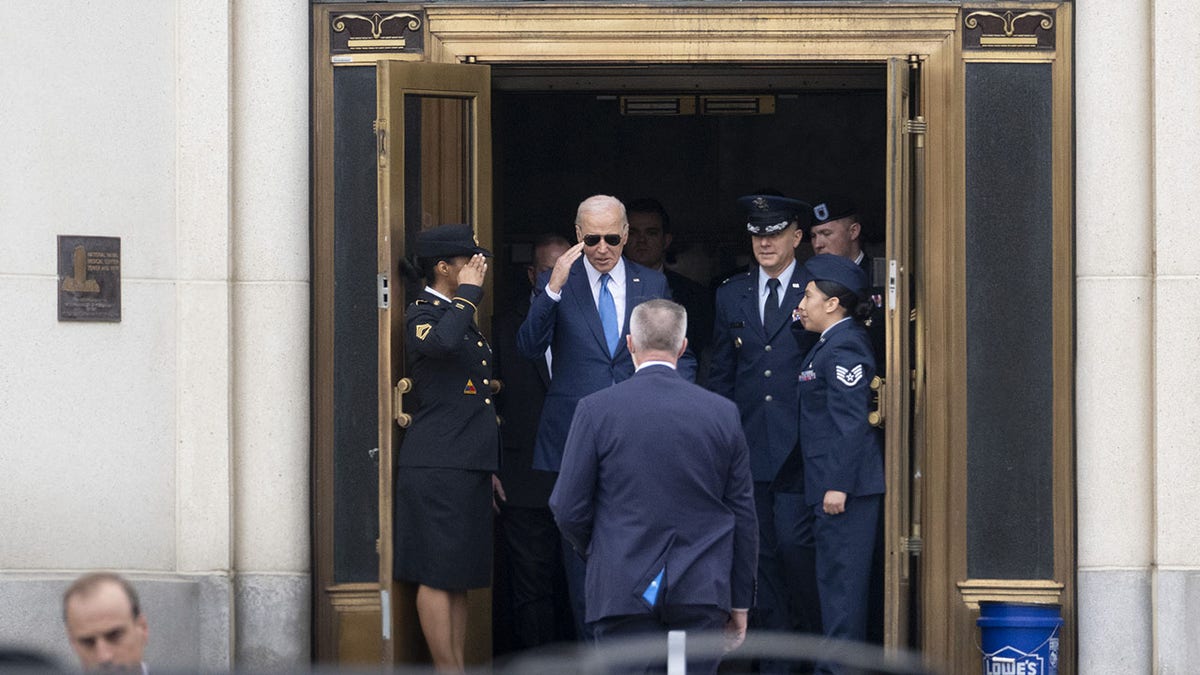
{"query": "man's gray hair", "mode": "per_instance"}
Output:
(658, 325)
(601, 204)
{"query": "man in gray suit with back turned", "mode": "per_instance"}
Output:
(655, 492)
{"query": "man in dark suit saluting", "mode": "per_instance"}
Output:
(582, 317)
(655, 491)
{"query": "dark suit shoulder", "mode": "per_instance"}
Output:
(678, 281)
(633, 269)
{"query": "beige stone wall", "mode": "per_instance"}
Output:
(1138, 327)
(172, 446)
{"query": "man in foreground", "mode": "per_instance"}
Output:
(105, 623)
(655, 492)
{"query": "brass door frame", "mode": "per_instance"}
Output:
(641, 35)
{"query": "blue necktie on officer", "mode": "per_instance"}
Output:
(608, 315)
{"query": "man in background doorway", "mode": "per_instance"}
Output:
(836, 229)
(649, 240)
(105, 623)
(532, 555)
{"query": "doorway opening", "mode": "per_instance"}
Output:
(694, 138)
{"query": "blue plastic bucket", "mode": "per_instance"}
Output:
(1019, 639)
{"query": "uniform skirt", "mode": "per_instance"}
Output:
(443, 527)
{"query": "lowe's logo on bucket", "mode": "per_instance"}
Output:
(1010, 661)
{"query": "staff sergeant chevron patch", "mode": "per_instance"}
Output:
(849, 376)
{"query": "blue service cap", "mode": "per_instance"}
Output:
(448, 241)
(833, 207)
(835, 268)
(768, 214)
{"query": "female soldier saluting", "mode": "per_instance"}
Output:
(443, 518)
(843, 460)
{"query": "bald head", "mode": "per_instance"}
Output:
(105, 623)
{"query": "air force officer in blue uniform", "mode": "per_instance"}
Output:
(842, 454)
(755, 361)
(655, 491)
(582, 317)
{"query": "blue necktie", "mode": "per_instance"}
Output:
(608, 316)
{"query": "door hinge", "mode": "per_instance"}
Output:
(916, 126)
(912, 545)
(382, 293)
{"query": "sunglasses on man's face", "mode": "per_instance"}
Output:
(590, 240)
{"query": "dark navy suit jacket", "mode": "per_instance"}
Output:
(519, 404)
(757, 367)
(656, 477)
(581, 362)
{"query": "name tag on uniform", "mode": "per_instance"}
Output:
(808, 375)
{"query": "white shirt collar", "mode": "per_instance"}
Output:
(647, 364)
(785, 277)
(616, 274)
(861, 254)
(429, 289)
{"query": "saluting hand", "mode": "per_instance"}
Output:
(474, 271)
(562, 268)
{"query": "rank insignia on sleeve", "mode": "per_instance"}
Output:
(470, 388)
(423, 330)
(849, 376)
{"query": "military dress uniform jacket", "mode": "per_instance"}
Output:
(450, 363)
(757, 367)
(841, 450)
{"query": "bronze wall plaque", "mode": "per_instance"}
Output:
(377, 32)
(89, 278)
(1008, 29)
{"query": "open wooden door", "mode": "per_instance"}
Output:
(434, 166)
(901, 529)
